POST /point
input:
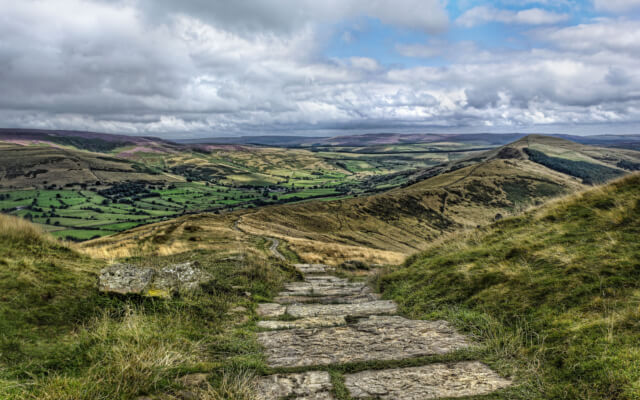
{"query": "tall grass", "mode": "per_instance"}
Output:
(552, 295)
(61, 339)
(19, 230)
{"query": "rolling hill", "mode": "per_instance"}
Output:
(44, 166)
(81, 185)
(458, 195)
(552, 295)
(386, 227)
(391, 139)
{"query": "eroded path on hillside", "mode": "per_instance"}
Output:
(329, 321)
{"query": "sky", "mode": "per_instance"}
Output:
(202, 68)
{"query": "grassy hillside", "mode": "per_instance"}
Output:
(386, 227)
(465, 193)
(552, 295)
(403, 221)
(43, 166)
(51, 179)
(60, 339)
(81, 185)
(379, 229)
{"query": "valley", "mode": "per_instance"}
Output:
(320, 200)
(83, 185)
(383, 228)
(464, 271)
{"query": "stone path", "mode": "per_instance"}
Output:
(327, 320)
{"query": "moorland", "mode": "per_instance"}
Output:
(525, 244)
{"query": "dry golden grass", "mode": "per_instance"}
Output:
(386, 228)
(380, 229)
(20, 230)
(201, 232)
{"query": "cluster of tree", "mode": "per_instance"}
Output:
(589, 173)
(628, 165)
(125, 189)
(197, 174)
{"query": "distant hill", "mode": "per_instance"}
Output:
(267, 140)
(551, 296)
(370, 139)
(104, 142)
(461, 194)
(443, 199)
(43, 166)
(458, 195)
(378, 139)
(92, 141)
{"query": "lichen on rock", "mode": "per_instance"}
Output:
(132, 279)
(126, 279)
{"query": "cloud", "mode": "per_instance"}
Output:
(182, 68)
(290, 15)
(616, 35)
(616, 6)
(364, 63)
(484, 14)
(442, 48)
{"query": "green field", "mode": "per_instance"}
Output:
(209, 179)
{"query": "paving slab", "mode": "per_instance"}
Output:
(325, 289)
(285, 298)
(312, 268)
(312, 322)
(426, 382)
(377, 307)
(325, 278)
(314, 385)
(373, 338)
(271, 310)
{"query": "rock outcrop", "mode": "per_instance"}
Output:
(126, 279)
(132, 279)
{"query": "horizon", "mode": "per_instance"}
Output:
(259, 68)
(289, 135)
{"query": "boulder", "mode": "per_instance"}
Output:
(180, 277)
(125, 279)
(131, 279)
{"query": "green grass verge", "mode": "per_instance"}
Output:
(552, 295)
(62, 339)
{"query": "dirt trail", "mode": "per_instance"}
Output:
(274, 248)
(274, 242)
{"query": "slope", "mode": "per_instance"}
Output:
(44, 165)
(382, 228)
(552, 295)
(462, 194)
(61, 339)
